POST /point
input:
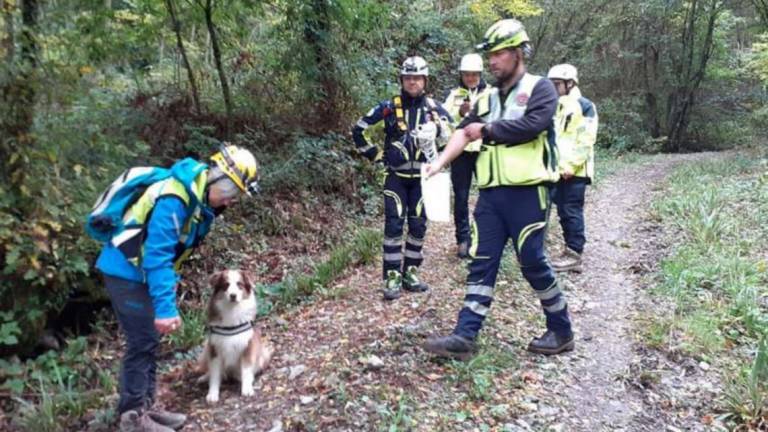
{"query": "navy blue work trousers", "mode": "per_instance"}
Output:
(569, 199)
(402, 200)
(462, 170)
(517, 213)
(136, 316)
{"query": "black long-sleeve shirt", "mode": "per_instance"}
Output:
(539, 112)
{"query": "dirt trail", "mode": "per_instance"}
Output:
(595, 389)
(352, 362)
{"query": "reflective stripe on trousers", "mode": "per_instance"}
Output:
(402, 199)
(525, 224)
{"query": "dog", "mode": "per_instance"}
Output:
(234, 347)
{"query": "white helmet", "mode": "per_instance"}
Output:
(471, 63)
(565, 72)
(415, 66)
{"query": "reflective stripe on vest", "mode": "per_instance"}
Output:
(576, 136)
(530, 163)
(131, 241)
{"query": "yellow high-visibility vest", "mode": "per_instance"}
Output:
(530, 163)
(576, 132)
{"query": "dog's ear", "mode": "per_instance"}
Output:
(247, 281)
(218, 281)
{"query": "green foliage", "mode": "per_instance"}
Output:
(493, 10)
(758, 59)
(362, 249)
(715, 275)
(621, 126)
(55, 386)
(747, 392)
(690, 92)
(478, 373)
(44, 254)
(192, 332)
(308, 164)
(401, 418)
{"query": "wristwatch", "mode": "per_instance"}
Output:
(485, 131)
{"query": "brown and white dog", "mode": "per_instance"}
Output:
(234, 348)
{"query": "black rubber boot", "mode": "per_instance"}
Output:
(451, 346)
(551, 343)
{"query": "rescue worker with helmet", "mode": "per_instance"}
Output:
(516, 168)
(458, 103)
(576, 129)
(401, 160)
(140, 267)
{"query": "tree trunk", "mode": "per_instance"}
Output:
(176, 24)
(8, 43)
(650, 81)
(317, 28)
(208, 10)
(690, 68)
(18, 96)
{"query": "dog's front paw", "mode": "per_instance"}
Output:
(247, 391)
(212, 397)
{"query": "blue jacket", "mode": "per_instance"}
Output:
(164, 244)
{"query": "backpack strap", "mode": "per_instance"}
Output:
(399, 114)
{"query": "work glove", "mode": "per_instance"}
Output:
(381, 172)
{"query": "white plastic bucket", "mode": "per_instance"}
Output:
(437, 196)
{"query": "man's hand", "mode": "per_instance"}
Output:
(431, 169)
(566, 174)
(464, 108)
(167, 325)
(381, 172)
(473, 131)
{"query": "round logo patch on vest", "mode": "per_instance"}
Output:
(522, 99)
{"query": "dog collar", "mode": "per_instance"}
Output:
(231, 330)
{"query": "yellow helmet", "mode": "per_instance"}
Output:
(507, 33)
(240, 166)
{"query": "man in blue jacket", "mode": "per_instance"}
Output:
(403, 116)
(140, 266)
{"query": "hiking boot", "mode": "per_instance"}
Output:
(411, 281)
(451, 346)
(551, 343)
(166, 418)
(463, 250)
(568, 261)
(392, 285)
(132, 421)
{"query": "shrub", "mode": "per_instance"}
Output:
(43, 252)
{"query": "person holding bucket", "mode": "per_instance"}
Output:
(516, 168)
(407, 119)
(458, 103)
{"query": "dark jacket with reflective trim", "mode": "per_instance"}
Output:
(538, 117)
(401, 154)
